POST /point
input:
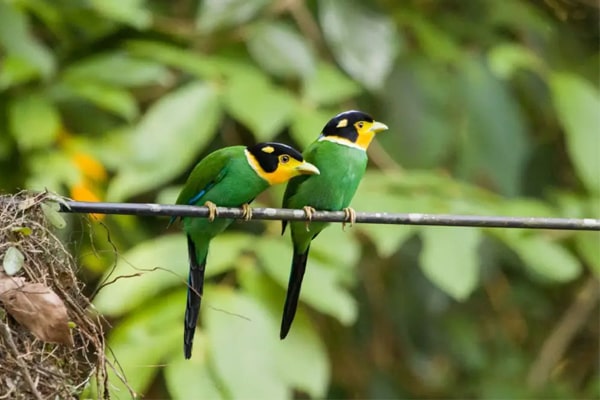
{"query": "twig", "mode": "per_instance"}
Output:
(19, 361)
(557, 342)
(589, 224)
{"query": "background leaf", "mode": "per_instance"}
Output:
(262, 107)
(281, 50)
(156, 327)
(243, 346)
(173, 131)
(161, 263)
(449, 259)
(187, 379)
(546, 259)
(27, 56)
(577, 104)
(216, 14)
(328, 86)
(321, 287)
(494, 131)
(131, 71)
(36, 132)
(301, 358)
(364, 43)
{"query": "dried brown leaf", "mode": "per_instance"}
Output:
(38, 308)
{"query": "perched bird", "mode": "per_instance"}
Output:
(340, 154)
(230, 177)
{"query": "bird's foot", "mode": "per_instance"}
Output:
(349, 216)
(212, 210)
(247, 214)
(309, 211)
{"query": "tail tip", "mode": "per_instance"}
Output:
(187, 351)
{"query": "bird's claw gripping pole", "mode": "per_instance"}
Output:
(247, 214)
(212, 210)
(349, 216)
(309, 211)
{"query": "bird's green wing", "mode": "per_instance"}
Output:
(207, 173)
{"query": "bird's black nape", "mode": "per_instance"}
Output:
(267, 154)
(342, 125)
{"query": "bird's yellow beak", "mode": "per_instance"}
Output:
(378, 127)
(307, 168)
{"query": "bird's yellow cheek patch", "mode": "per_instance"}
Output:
(278, 176)
(364, 139)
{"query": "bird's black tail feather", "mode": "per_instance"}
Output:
(293, 291)
(194, 297)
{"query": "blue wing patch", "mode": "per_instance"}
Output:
(200, 194)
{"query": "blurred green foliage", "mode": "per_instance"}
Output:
(493, 107)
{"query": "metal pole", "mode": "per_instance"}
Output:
(589, 224)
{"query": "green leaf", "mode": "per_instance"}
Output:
(132, 72)
(301, 358)
(577, 103)
(363, 42)
(13, 260)
(449, 259)
(15, 70)
(434, 41)
(321, 287)
(329, 86)
(264, 108)
(281, 50)
(53, 216)
(505, 59)
(23, 230)
(131, 12)
(308, 123)
(145, 270)
(216, 14)
(588, 245)
(494, 145)
(200, 65)
(22, 47)
(374, 195)
(107, 97)
(546, 259)
(159, 264)
(243, 346)
(167, 139)
(142, 341)
(192, 379)
(34, 121)
(328, 246)
(52, 170)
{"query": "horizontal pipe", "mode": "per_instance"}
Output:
(142, 209)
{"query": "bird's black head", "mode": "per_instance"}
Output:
(278, 162)
(353, 126)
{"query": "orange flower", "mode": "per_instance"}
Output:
(83, 192)
(89, 166)
(92, 172)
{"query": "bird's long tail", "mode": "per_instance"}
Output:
(194, 296)
(293, 291)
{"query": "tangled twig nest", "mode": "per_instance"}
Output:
(51, 346)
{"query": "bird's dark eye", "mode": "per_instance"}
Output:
(284, 158)
(360, 125)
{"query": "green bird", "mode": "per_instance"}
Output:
(230, 177)
(340, 154)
